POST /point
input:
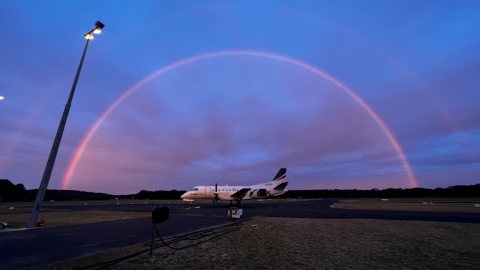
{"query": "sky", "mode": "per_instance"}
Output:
(174, 94)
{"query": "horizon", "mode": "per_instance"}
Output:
(288, 190)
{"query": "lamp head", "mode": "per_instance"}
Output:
(97, 30)
(99, 25)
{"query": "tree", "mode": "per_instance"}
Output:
(11, 192)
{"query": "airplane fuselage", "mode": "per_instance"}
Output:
(273, 188)
(225, 192)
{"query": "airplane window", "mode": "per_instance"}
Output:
(195, 189)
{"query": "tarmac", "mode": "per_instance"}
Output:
(24, 248)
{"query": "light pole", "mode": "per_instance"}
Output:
(32, 221)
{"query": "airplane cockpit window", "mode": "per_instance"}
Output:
(194, 189)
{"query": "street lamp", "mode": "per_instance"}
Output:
(97, 30)
(32, 221)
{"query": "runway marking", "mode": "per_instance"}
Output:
(196, 215)
(345, 212)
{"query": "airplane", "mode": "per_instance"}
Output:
(275, 187)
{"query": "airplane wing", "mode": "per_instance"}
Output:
(241, 193)
(281, 186)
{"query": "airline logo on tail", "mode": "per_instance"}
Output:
(282, 174)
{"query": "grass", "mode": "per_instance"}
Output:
(20, 207)
(282, 243)
(26, 207)
(54, 219)
(410, 205)
(18, 216)
(431, 199)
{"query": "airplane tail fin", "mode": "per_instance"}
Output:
(281, 175)
(278, 179)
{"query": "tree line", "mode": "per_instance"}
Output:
(12, 192)
(452, 191)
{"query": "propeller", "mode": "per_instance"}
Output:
(216, 194)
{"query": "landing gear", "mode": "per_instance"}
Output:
(192, 205)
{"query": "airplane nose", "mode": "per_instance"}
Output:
(183, 196)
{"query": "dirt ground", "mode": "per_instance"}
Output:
(18, 216)
(54, 219)
(405, 205)
(283, 243)
(26, 207)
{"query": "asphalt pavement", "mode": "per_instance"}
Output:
(25, 248)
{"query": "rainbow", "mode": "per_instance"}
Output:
(91, 132)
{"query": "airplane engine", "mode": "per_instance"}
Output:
(262, 193)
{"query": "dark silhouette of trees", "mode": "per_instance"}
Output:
(159, 194)
(11, 192)
(68, 195)
(452, 191)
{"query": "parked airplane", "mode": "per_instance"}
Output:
(275, 187)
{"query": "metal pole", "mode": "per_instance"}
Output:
(151, 244)
(32, 221)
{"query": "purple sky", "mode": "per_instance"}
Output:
(237, 119)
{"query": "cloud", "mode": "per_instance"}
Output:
(236, 120)
(149, 140)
